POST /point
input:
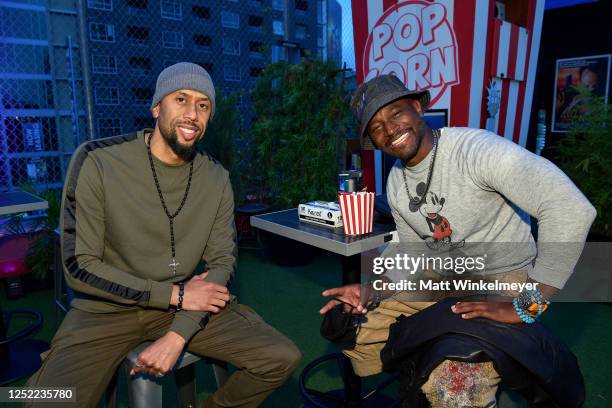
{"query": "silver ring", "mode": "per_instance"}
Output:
(159, 375)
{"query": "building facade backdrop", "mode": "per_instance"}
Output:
(71, 70)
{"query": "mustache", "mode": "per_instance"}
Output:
(187, 123)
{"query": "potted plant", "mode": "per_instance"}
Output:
(40, 256)
(585, 155)
(301, 114)
(301, 121)
(27, 247)
(220, 138)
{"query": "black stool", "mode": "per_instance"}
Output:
(337, 398)
(19, 357)
(243, 222)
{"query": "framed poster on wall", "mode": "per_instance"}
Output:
(575, 80)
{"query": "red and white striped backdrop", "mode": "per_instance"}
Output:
(487, 49)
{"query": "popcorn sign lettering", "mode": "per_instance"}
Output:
(414, 41)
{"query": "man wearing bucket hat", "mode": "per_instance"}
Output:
(140, 211)
(449, 188)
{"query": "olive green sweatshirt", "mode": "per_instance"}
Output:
(115, 234)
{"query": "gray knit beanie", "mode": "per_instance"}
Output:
(184, 75)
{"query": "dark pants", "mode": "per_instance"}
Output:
(88, 348)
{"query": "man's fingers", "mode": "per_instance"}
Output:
(330, 305)
(470, 310)
(476, 313)
(333, 292)
(462, 307)
(201, 276)
(140, 368)
(213, 309)
(218, 303)
(362, 309)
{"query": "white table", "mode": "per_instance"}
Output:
(14, 202)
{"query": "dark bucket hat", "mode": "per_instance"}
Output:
(377, 92)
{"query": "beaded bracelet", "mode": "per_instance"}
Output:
(525, 303)
(181, 292)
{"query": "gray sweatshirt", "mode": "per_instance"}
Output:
(479, 180)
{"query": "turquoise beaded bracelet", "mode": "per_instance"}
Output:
(522, 302)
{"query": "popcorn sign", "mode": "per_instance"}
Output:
(414, 41)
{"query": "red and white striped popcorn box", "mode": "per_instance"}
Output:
(357, 212)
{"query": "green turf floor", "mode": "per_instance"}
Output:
(289, 299)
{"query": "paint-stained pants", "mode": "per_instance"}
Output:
(88, 348)
(452, 383)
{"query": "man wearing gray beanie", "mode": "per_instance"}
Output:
(140, 212)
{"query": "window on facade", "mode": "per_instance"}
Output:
(278, 53)
(300, 31)
(230, 19)
(106, 5)
(106, 95)
(301, 5)
(140, 65)
(202, 42)
(107, 127)
(321, 12)
(278, 5)
(231, 73)
(101, 32)
(231, 46)
(172, 39)
(321, 38)
(255, 22)
(255, 48)
(137, 7)
(138, 35)
(207, 66)
(171, 9)
(278, 27)
(142, 122)
(201, 12)
(104, 64)
(142, 96)
(254, 72)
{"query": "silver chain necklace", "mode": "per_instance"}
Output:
(419, 201)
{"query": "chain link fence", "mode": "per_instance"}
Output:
(71, 70)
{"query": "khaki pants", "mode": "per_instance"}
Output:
(449, 384)
(88, 348)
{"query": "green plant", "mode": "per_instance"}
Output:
(221, 136)
(585, 155)
(301, 120)
(41, 252)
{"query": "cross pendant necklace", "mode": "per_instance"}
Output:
(173, 265)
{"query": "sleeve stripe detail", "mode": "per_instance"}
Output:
(68, 235)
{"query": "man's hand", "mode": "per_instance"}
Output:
(499, 311)
(202, 296)
(350, 294)
(159, 358)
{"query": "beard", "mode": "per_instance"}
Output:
(184, 151)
